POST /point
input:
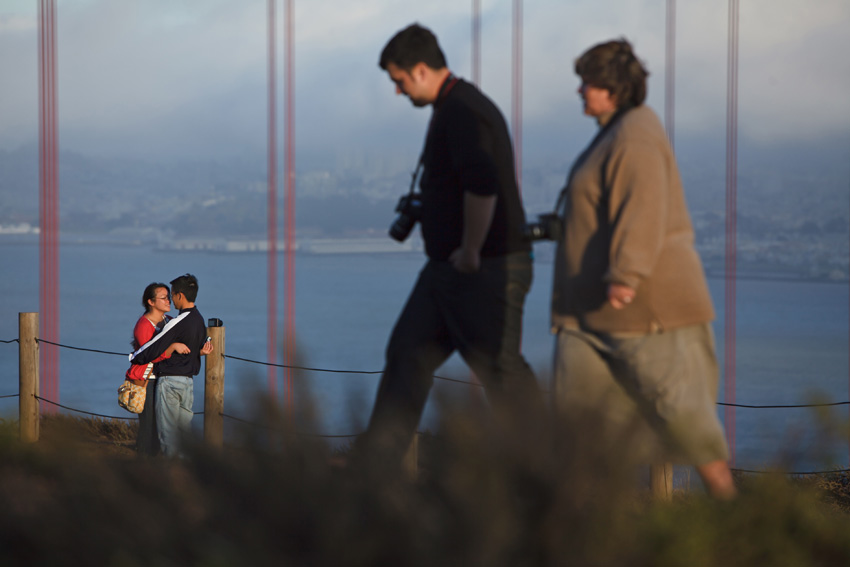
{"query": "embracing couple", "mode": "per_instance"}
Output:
(167, 355)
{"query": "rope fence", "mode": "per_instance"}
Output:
(80, 348)
(836, 471)
(302, 367)
(373, 372)
(81, 411)
(293, 367)
(444, 378)
(783, 407)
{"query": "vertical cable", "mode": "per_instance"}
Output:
(271, 207)
(670, 74)
(289, 210)
(474, 394)
(516, 115)
(731, 224)
(54, 199)
(48, 201)
(42, 189)
(476, 42)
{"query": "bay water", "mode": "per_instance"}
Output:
(791, 338)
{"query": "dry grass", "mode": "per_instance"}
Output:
(91, 436)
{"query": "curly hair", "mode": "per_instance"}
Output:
(614, 66)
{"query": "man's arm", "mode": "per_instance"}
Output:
(477, 217)
(155, 347)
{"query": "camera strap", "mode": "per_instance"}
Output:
(414, 175)
(583, 156)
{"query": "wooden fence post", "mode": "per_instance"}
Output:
(214, 390)
(661, 481)
(28, 376)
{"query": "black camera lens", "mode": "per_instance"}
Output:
(401, 227)
(547, 227)
(410, 209)
(534, 231)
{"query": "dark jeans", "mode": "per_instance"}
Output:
(480, 316)
(147, 441)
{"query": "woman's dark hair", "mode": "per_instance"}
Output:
(150, 293)
(613, 66)
(412, 45)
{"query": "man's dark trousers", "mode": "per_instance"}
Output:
(480, 316)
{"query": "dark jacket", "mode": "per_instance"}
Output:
(187, 328)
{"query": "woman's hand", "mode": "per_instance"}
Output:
(620, 295)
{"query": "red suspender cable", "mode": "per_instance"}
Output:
(289, 208)
(42, 188)
(54, 207)
(474, 394)
(48, 202)
(271, 207)
(731, 224)
(670, 74)
(476, 42)
(516, 117)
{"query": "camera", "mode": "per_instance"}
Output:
(409, 211)
(547, 227)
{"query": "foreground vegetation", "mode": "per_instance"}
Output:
(81, 496)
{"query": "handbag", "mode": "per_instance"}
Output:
(131, 396)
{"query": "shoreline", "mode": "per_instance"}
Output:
(364, 245)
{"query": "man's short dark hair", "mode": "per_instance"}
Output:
(414, 44)
(187, 284)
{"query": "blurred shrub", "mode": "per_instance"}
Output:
(484, 496)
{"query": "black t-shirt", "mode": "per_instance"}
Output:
(468, 148)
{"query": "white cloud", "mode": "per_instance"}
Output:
(13, 23)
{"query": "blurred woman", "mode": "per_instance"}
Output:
(630, 303)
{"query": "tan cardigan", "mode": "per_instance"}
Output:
(626, 221)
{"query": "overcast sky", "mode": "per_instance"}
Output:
(188, 77)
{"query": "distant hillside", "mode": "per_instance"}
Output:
(781, 187)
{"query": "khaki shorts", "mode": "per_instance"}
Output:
(661, 388)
